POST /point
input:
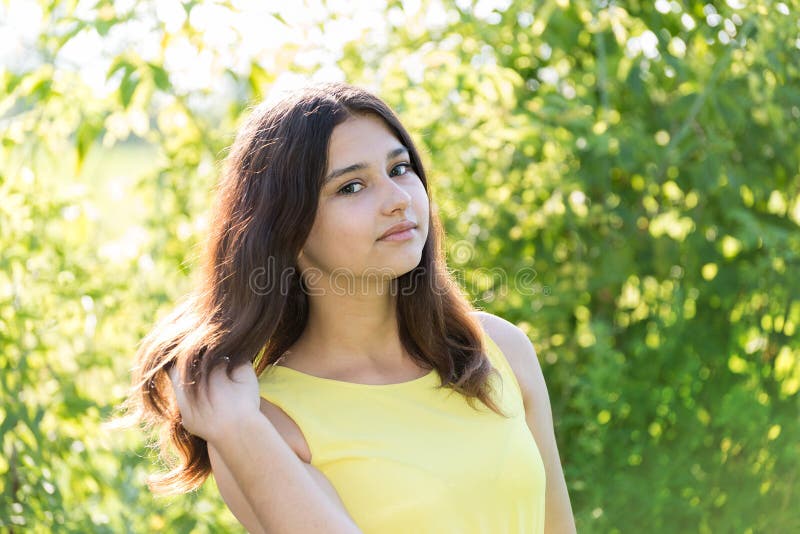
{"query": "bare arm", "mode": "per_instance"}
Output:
(238, 503)
(558, 517)
(281, 493)
(232, 495)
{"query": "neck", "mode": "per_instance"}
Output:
(353, 329)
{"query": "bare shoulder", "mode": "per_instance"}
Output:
(518, 350)
(293, 436)
(229, 487)
(288, 429)
(522, 357)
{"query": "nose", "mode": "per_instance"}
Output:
(397, 198)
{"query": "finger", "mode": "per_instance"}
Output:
(177, 385)
(243, 373)
(173, 375)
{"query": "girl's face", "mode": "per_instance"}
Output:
(369, 186)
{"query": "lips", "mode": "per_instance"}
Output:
(399, 227)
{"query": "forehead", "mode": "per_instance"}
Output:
(358, 138)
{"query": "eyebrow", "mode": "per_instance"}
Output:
(360, 166)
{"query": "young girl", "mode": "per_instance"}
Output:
(328, 370)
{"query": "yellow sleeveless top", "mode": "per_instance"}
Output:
(415, 457)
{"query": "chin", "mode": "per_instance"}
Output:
(393, 269)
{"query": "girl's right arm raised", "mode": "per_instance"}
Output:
(252, 463)
(238, 503)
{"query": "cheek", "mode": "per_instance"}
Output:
(344, 228)
(421, 200)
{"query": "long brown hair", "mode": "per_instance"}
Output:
(264, 208)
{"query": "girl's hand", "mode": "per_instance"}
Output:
(219, 406)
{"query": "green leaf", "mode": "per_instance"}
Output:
(84, 139)
(127, 87)
(160, 77)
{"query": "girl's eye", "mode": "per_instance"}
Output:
(406, 165)
(349, 192)
(346, 191)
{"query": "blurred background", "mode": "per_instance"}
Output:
(638, 160)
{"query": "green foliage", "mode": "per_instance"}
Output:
(621, 181)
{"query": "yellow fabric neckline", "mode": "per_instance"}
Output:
(295, 372)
